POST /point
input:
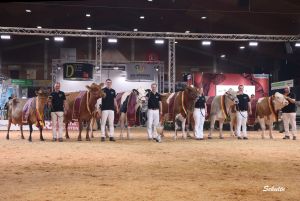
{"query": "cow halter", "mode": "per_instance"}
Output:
(271, 107)
(182, 102)
(223, 106)
(39, 117)
(87, 102)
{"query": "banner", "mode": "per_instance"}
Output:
(209, 82)
(78, 71)
(140, 71)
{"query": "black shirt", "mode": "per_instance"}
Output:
(153, 100)
(243, 102)
(108, 102)
(291, 107)
(200, 102)
(58, 101)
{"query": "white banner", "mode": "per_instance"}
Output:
(282, 84)
(248, 89)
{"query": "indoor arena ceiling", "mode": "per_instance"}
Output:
(218, 16)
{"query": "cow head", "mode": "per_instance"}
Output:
(231, 95)
(192, 92)
(96, 90)
(141, 96)
(42, 96)
(279, 101)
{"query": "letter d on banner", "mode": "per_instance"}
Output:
(69, 71)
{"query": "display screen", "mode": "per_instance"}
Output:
(78, 71)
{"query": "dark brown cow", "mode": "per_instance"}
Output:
(178, 106)
(28, 111)
(84, 110)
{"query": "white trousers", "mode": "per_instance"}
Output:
(57, 119)
(153, 121)
(289, 118)
(110, 115)
(199, 118)
(241, 118)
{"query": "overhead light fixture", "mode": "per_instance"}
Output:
(89, 28)
(88, 15)
(187, 31)
(203, 17)
(112, 40)
(28, 11)
(297, 44)
(150, 0)
(116, 68)
(242, 47)
(253, 44)
(176, 42)
(223, 56)
(59, 39)
(5, 37)
(159, 41)
(142, 17)
(47, 39)
(135, 29)
(206, 43)
(39, 27)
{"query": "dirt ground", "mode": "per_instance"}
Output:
(139, 169)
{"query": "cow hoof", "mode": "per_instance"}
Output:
(221, 137)
(7, 137)
(209, 137)
(23, 137)
(42, 139)
(67, 137)
(30, 140)
(79, 139)
(88, 139)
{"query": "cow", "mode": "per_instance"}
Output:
(81, 107)
(28, 111)
(130, 104)
(267, 109)
(220, 108)
(179, 106)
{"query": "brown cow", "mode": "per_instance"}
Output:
(85, 108)
(267, 109)
(28, 111)
(178, 106)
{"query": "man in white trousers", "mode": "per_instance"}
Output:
(289, 114)
(154, 112)
(58, 107)
(243, 109)
(200, 112)
(108, 105)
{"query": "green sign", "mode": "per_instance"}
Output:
(21, 82)
(282, 84)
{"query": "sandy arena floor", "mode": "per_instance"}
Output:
(141, 170)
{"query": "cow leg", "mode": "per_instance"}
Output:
(221, 121)
(22, 136)
(8, 129)
(30, 132)
(212, 126)
(41, 134)
(263, 127)
(92, 127)
(184, 134)
(271, 129)
(176, 128)
(122, 124)
(80, 130)
(232, 128)
(87, 138)
(67, 131)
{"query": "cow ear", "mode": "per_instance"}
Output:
(135, 91)
(101, 85)
(88, 87)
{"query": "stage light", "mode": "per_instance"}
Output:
(59, 39)
(5, 37)
(112, 40)
(253, 44)
(206, 43)
(159, 41)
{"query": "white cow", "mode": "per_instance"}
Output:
(220, 108)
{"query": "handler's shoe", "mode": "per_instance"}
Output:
(294, 138)
(286, 137)
(239, 138)
(112, 139)
(245, 138)
(199, 138)
(102, 139)
(54, 140)
(60, 139)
